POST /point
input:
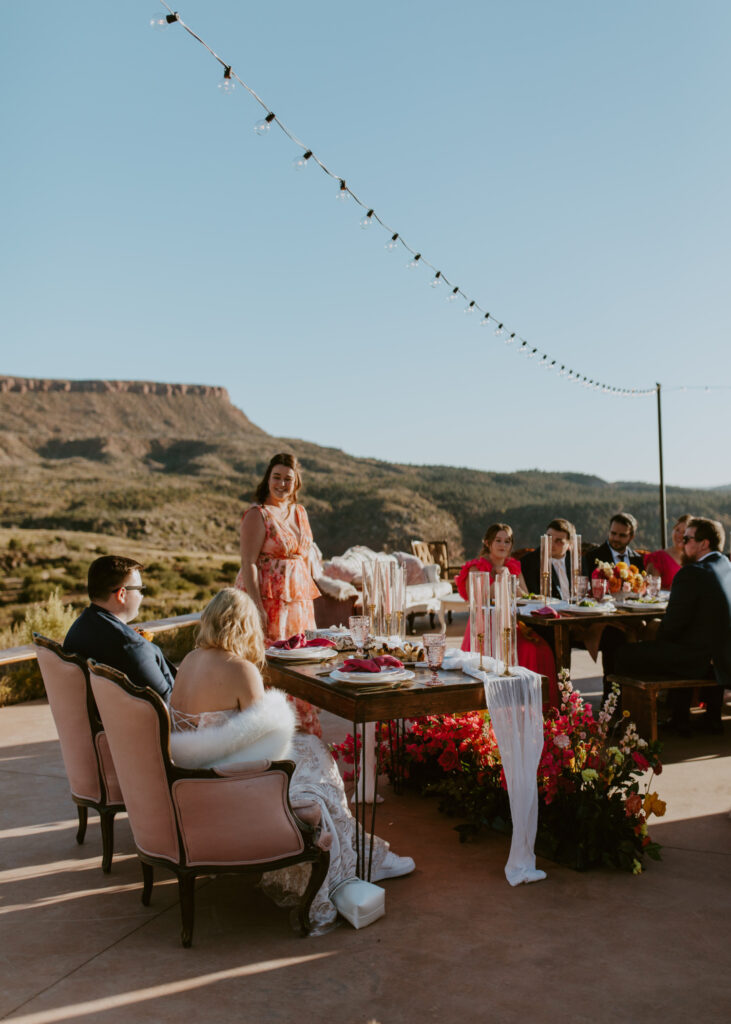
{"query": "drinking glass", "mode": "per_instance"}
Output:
(358, 626)
(654, 586)
(434, 645)
(598, 589)
(582, 587)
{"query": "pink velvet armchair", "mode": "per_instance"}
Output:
(203, 821)
(86, 757)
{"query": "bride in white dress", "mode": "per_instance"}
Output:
(221, 714)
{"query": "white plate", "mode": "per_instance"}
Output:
(645, 606)
(303, 653)
(539, 602)
(597, 609)
(386, 675)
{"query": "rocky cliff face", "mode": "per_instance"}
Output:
(23, 385)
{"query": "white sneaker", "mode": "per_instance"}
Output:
(393, 867)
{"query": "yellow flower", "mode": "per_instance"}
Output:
(636, 867)
(625, 714)
(653, 805)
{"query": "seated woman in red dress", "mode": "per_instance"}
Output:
(533, 651)
(666, 562)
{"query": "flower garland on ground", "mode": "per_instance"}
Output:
(591, 808)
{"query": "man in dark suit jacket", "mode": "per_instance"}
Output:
(622, 528)
(616, 548)
(694, 638)
(101, 631)
(560, 531)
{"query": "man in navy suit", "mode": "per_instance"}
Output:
(561, 532)
(694, 638)
(102, 632)
(616, 548)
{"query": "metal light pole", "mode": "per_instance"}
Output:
(663, 507)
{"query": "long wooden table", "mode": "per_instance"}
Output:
(634, 623)
(454, 693)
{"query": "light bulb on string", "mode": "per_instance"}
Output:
(470, 308)
(227, 84)
(392, 243)
(343, 191)
(162, 21)
(485, 320)
(414, 263)
(562, 371)
(263, 126)
(453, 295)
(510, 339)
(434, 283)
(532, 353)
(499, 330)
(300, 162)
(365, 222)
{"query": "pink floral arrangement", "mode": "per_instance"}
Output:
(621, 576)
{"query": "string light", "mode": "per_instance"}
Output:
(453, 295)
(414, 263)
(262, 127)
(227, 84)
(301, 161)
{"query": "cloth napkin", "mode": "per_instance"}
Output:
(546, 613)
(298, 640)
(371, 664)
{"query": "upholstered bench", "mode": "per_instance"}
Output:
(639, 697)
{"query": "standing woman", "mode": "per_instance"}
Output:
(533, 651)
(276, 540)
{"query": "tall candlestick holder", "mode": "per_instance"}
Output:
(369, 577)
(478, 588)
(507, 648)
(505, 625)
(575, 567)
(545, 568)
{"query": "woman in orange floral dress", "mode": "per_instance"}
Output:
(275, 546)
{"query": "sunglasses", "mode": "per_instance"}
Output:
(686, 538)
(142, 588)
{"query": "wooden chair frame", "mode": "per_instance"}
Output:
(104, 807)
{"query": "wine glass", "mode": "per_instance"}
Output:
(598, 588)
(582, 587)
(358, 626)
(434, 646)
(654, 585)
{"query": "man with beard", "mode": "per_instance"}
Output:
(694, 638)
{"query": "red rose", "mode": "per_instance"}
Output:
(448, 759)
(641, 761)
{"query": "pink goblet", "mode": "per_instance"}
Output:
(598, 589)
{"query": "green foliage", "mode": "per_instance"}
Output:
(51, 618)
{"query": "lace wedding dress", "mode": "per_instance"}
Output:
(316, 779)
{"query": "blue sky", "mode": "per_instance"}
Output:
(565, 164)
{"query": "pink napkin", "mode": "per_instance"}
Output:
(371, 664)
(298, 640)
(546, 613)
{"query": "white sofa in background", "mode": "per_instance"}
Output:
(339, 578)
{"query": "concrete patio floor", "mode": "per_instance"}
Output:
(457, 943)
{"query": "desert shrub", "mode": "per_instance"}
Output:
(202, 577)
(230, 569)
(51, 618)
(34, 592)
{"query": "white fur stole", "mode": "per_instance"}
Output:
(263, 731)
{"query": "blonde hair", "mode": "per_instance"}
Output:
(230, 622)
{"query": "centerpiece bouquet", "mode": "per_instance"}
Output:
(621, 577)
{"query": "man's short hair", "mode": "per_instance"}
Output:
(626, 519)
(108, 573)
(710, 530)
(562, 524)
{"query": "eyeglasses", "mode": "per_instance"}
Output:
(686, 538)
(142, 588)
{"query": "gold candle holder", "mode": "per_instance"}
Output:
(507, 632)
(481, 642)
(372, 615)
(545, 585)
